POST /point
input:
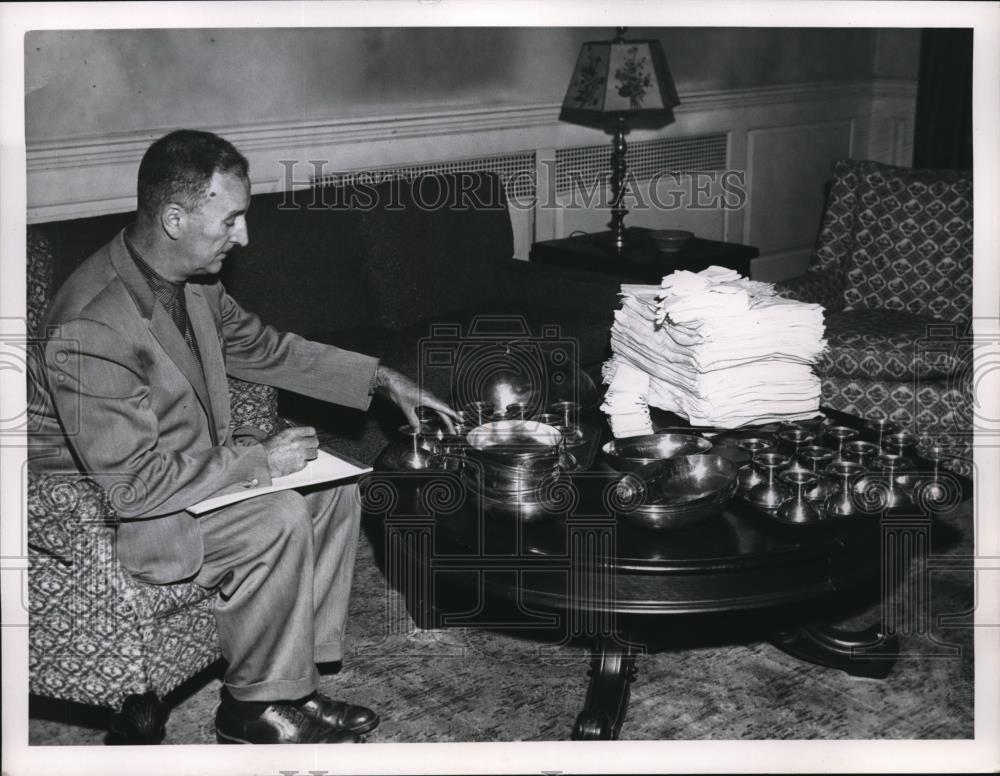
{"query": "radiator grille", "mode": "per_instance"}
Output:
(583, 165)
(587, 164)
(517, 171)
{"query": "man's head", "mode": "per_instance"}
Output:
(193, 194)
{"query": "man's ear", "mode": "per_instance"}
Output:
(172, 218)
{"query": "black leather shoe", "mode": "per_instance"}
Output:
(338, 714)
(280, 723)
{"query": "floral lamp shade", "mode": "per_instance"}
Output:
(619, 77)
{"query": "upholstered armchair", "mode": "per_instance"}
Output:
(96, 635)
(893, 268)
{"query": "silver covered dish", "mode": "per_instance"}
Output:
(521, 444)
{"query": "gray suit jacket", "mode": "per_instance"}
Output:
(119, 396)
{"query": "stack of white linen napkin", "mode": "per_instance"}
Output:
(625, 399)
(715, 348)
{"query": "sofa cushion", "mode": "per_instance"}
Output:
(370, 340)
(912, 242)
(433, 245)
(585, 334)
(74, 240)
(889, 345)
(302, 270)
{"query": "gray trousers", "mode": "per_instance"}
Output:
(284, 563)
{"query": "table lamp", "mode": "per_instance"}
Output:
(612, 81)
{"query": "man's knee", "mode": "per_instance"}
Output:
(285, 516)
(340, 503)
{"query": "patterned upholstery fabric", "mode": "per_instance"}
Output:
(39, 278)
(818, 286)
(912, 245)
(887, 345)
(836, 236)
(97, 635)
(252, 405)
(897, 243)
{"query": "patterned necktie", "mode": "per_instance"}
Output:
(178, 312)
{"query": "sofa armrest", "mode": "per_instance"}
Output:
(66, 512)
(819, 286)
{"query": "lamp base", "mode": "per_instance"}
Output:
(621, 244)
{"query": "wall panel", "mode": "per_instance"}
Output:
(298, 101)
(786, 169)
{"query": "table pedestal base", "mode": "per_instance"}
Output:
(612, 671)
(869, 652)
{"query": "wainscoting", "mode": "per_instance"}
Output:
(777, 141)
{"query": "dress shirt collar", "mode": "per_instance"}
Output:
(167, 292)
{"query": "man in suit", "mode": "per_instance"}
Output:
(142, 336)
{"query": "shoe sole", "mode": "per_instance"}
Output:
(224, 739)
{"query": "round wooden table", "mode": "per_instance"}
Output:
(576, 556)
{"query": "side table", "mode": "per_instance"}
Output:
(641, 261)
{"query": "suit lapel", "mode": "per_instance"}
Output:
(162, 327)
(206, 334)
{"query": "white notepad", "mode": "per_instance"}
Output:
(324, 468)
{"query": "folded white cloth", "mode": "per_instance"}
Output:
(625, 399)
(715, 348)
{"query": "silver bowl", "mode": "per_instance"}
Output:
(515, 456)
(670, 240)
(632, 453)
(676, 493)
(517, 484)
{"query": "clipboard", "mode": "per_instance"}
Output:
(325, 467)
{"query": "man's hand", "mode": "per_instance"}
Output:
(407, 395)
(288, 450)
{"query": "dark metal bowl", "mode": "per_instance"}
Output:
(516, 443)
(670, 240)
(514, 456)
(632, 453)
(678, 492)
(508, 481)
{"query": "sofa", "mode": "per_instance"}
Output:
(893, 269)
(378, 267)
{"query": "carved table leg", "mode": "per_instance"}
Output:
(869, 652)
(611, 674)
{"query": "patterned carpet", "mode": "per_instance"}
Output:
(697, 681)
